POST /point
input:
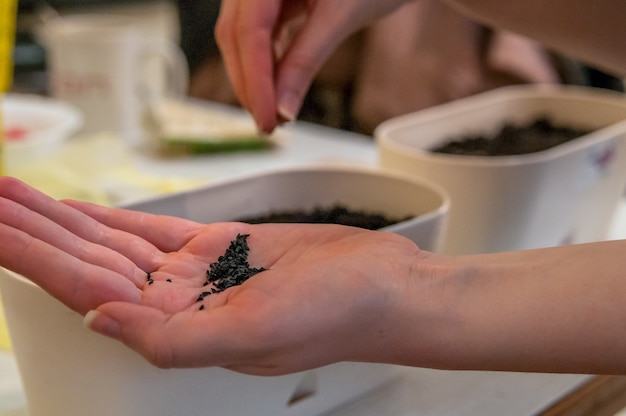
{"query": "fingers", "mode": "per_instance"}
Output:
(244, 33)
(80, 285)
(224, 35)
(309, 50)
(38, 227)
(273, 87)
(164, 233)
(42, 218)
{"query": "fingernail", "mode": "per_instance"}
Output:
(102, 324)
(288, 105)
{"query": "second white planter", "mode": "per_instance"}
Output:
(566, 194)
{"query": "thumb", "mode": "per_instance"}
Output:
(138, 327)
(328, 24)
(302, 59)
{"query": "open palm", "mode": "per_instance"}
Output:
(145, 275)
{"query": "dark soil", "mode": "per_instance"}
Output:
(336, 214)
(536, 136)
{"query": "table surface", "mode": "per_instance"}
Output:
(417, 391)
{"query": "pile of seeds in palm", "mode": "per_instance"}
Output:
(230, 269)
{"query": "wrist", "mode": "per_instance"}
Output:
(423, 319)
(549, 310)
(465, 312)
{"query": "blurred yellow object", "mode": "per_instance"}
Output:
(8, 13)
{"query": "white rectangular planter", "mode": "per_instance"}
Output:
(566, 194)
(361, 188)
(68, 370)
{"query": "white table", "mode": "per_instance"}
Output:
(417, 391)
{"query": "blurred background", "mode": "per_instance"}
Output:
(435, 54)
(160, 16)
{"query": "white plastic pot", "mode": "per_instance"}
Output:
(566, 194)
(69, 370)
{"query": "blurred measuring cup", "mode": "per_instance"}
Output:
(112, 70)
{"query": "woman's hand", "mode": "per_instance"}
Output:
(273, 49)
(327, 295)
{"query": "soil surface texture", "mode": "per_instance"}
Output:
(540, 134)
(336, 214)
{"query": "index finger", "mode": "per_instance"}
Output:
(244, 33)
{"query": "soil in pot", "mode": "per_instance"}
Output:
(336, 214)
(511, 139)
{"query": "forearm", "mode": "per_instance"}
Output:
(586, 30)
(551, 310)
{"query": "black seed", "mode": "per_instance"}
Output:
(169, 280)
(150, 282)
(201, 307)
(232, 268)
